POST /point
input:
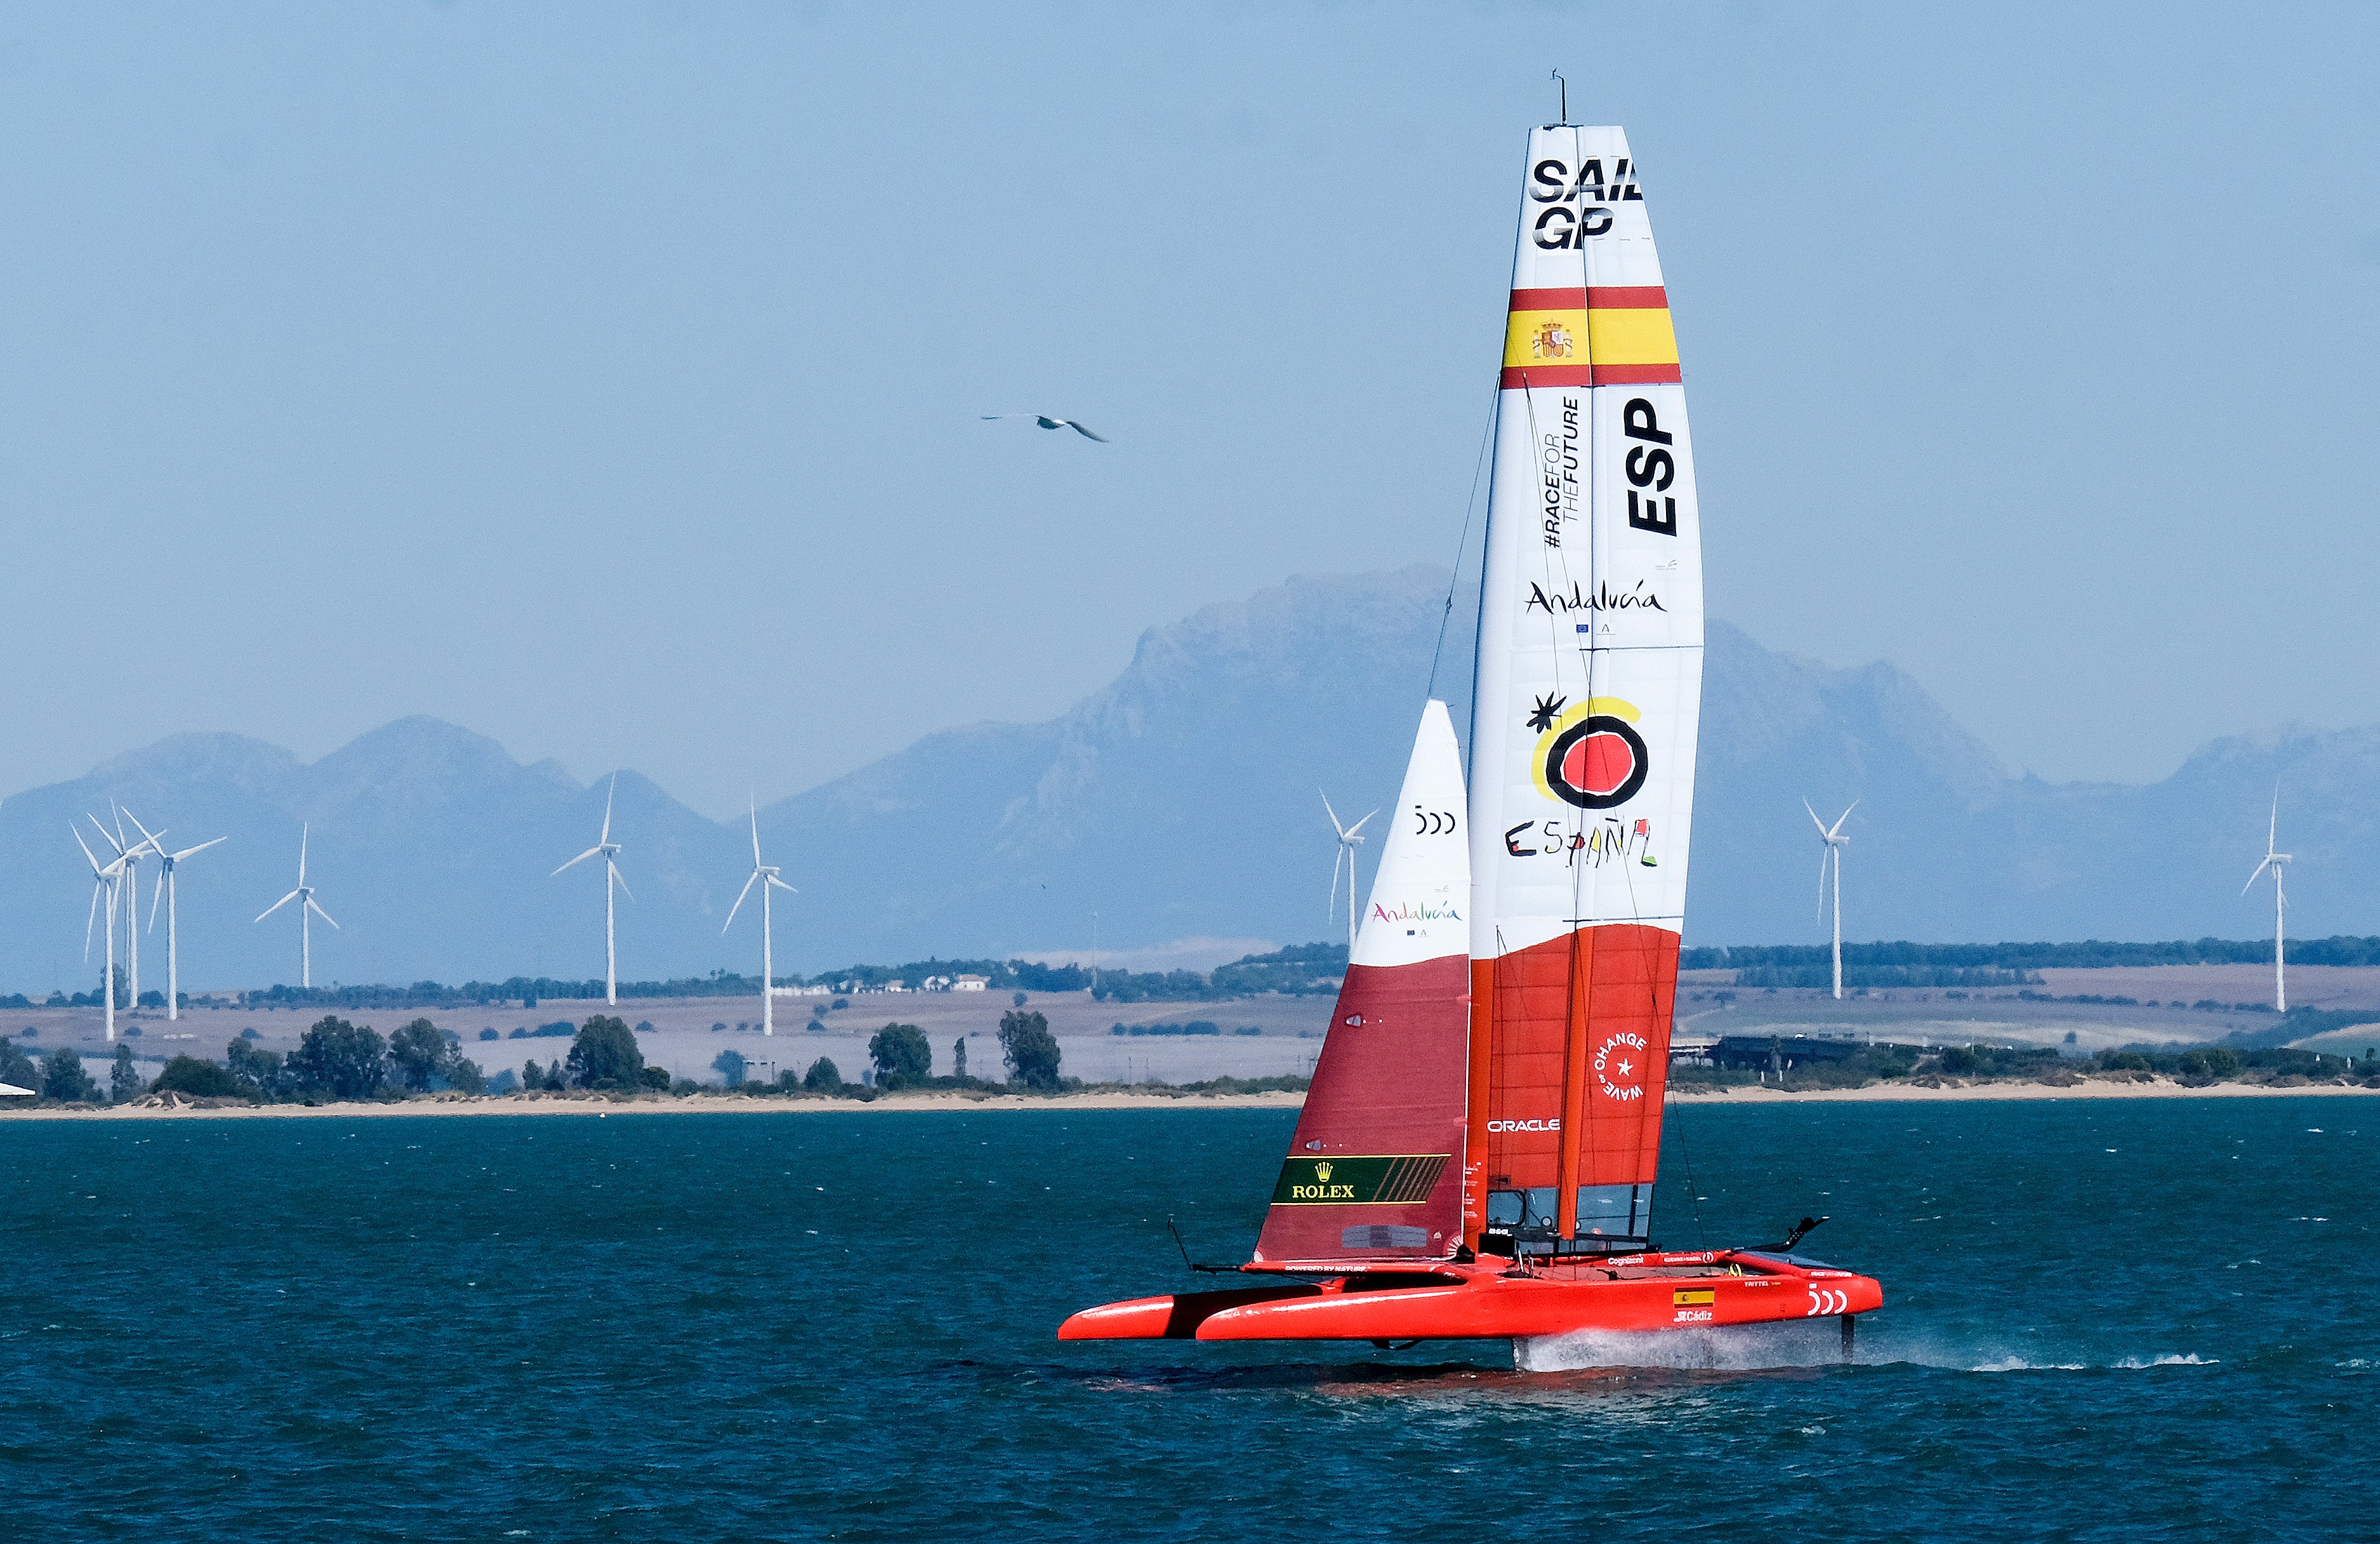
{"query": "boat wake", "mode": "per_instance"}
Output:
(1753, 1348)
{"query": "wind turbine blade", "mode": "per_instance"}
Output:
(149, 838)
(278, 905)
(1823, 852)
(581, 858)
(739, 904)
(85, 846)
(754, 810)
(1359, 824)
(1336, 859)
(92, 921)
(103, 835)
(199, 848)
(614, 870)
(1846, 815)
(2273, 830)
(782, 885)
(1333, 814)
(2257, 875)
(607, 806)
(156, 899)
(319, 911)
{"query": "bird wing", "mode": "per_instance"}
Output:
(1082, 432)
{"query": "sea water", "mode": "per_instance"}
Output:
(2102, 1320)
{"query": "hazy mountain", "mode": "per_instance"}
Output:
(1180, 800)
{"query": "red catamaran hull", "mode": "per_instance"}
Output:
(1489, 1300)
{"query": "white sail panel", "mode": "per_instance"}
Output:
(1591, 629)
(1421, 895)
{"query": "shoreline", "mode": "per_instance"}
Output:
(714, 1105)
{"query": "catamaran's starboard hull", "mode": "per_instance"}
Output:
(1487, 1302)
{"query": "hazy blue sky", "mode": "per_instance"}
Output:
(606, 378)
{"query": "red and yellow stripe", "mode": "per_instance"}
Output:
(1610, 336)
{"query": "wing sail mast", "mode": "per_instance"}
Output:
(1583, 719)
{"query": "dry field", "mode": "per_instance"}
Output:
(685, 1040)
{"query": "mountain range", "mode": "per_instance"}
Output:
(1181, 800)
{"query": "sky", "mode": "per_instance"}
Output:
(607, 378)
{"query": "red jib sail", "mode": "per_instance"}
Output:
(1375, 1170)
(1585, 715)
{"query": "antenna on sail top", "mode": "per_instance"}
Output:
(1557, 75)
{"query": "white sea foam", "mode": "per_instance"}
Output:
(1735, 1348)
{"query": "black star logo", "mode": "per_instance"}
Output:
(1549, 708)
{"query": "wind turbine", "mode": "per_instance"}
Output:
(102, 878)
(1835, 842)
(609, 849)
(130, 858)
(762, 871)
(1348, 842)
(2274, 861)
(306, 911)
(167, 863)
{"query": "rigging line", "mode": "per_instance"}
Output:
(1694, 1191)
(1463, 544)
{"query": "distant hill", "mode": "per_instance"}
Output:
(1180, 800)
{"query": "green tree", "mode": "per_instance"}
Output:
(958, 1058)
(902, 1056)
(417, 1052)
(730, 1065)
(346, 1060)
(1029, 1049)
(605, 1055)
(123, 1078)
(17, 1069)
(823, 1078)
(258, 1073)
(189, 1074)
(655, 1078)
(64, 1080)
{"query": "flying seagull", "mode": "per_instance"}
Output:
(1048, 422)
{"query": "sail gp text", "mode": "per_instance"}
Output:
(1560, 459)
(1581, 205)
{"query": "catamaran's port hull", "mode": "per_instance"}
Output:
(1485, 1303)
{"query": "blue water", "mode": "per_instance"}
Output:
(2124, 1322)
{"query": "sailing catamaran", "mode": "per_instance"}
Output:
(1476, 1154)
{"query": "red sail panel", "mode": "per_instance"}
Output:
(1374, 1172)
(1571, 1064)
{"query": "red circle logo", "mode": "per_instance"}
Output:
(1597, 762)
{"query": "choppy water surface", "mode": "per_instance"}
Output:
(2139, 1322)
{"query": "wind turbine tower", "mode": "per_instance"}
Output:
(2274, 860)
(1349, 840)
(764, 875)
(129, 856)
(1833, 851)
(167, 862)
(306, 911)
(102, 879)
(609, 849)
